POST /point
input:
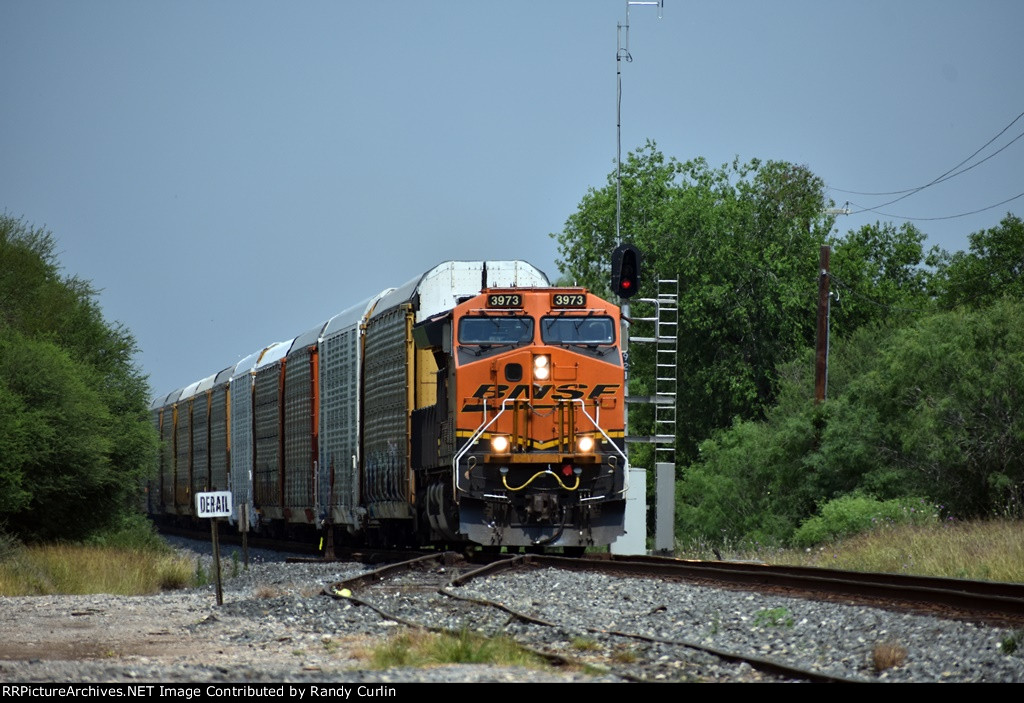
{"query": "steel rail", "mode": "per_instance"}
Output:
(342, 590)
(974, 597)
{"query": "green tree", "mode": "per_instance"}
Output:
(879, 272)
(743, 240)
(933, 409)
(74, 432)
(947, 400)
(991, 268)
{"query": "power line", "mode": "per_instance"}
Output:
(944, 176)
(941, 179)
(931, 219)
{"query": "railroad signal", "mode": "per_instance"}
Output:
(625, 270)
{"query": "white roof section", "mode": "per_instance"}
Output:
(159, 401)
(224, 375)
(307, 339)
(189, 391)
(353, 315)
(441, 287)
(275, 352)
(206, 384)
(246, 365)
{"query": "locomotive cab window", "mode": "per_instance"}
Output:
(487, 330)
(575, 329)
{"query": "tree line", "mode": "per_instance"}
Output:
(75, 438)
(926, 371)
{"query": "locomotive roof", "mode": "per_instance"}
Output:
(440, 288)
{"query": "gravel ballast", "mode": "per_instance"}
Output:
(275, 626)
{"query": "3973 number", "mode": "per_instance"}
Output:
(569, 300)
(505, 300)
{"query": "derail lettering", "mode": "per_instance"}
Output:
(213, 504)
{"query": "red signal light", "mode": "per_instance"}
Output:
(625, 270)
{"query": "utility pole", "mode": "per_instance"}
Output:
(824, 309)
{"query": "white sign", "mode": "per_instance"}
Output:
(214, 504)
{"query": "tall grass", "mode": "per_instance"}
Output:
(424, 649)
(80, 569)
(990, 550)
(128, 559)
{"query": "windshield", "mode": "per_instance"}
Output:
(495, 330)
(577, 330)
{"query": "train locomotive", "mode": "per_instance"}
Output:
(474, 405)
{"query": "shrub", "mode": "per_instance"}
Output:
(851, 514)
(133, 531)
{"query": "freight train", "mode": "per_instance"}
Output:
(476, 404)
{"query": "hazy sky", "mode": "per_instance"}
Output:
(232, 173)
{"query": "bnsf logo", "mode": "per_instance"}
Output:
(564, 391)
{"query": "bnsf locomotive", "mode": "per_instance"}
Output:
(474, 404)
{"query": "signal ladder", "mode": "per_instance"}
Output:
(666, 339)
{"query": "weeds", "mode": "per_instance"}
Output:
(267, 592)
(886, 655)
(584, 644)
(10, 547)
(624, 656)
(80, 569)
(202, 578)
(716, 623)
(987, 550)
(773, 617)
(1012, 642)
(424, 649)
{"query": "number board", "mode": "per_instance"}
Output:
(569, 300)
(505, 300)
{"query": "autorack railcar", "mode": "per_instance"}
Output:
(474, 404)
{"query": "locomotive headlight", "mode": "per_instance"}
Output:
(499, 444)
(585, 444)
(541, 367)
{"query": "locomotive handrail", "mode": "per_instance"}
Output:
(487, 423)
(625, 459)
(473, 440)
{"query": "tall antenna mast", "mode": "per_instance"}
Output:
(620, 53)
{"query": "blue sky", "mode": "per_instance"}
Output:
(232, 173)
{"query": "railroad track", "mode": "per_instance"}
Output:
(988, 601)
(647, 619)
(387, 591)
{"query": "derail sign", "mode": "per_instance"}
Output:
(213, 504)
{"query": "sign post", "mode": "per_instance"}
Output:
(214, 504)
